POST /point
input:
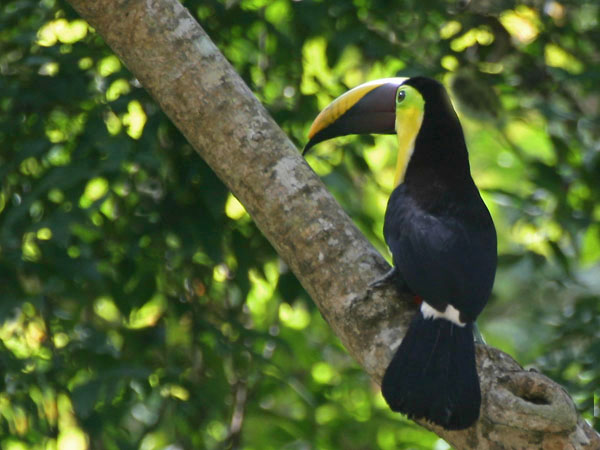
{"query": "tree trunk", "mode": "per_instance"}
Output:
(174, 59)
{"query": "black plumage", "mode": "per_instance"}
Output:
(433, 376)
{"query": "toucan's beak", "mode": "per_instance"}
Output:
(367, 109)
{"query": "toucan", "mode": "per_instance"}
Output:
(441, 237)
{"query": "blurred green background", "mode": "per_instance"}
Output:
(140, 307)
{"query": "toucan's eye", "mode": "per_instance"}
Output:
(401, 96)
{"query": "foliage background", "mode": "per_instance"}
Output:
(140, 306)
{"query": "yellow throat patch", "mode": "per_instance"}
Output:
(409, 117)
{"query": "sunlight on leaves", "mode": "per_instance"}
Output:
(296, 317)
(49, 69)
(175, 391)
(558, 57)
(522, 24)
(277, 12)
(481, 36)
(234, 209)
(148, 314)
(532, 138)
(449, 29)
(108, 65)
(135, 119)
(220, 273)
(61, 30)
(590, 254)
(323, 373)
(217, 430)
(155, 441)
(61, 340)
(13, 444)
(105, 308)
(72, 439)
(70, 436)
(317, 73)
(326, 413)
(59, 155)
(30, 250)
(113, 123)
(95, 189)
(450, 63)
(536, 238)
(85, 63)
(260, 299)
(117, 88)
(44, 234)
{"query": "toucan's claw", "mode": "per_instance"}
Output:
(387, 278)
(394, 278)
(478, 337)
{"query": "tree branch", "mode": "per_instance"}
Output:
(174, 59)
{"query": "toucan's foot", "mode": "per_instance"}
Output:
(477, 335)
(394, 278)
(389, 276)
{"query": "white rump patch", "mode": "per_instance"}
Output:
(451, 313)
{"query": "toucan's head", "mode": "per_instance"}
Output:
(386, 106)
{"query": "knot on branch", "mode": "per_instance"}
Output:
(523, 399)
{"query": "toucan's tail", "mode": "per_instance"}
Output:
(433, 374)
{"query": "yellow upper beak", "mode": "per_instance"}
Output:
(368, 108)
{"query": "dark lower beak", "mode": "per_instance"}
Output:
(367, 109)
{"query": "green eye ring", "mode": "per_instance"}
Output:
(400, 96)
